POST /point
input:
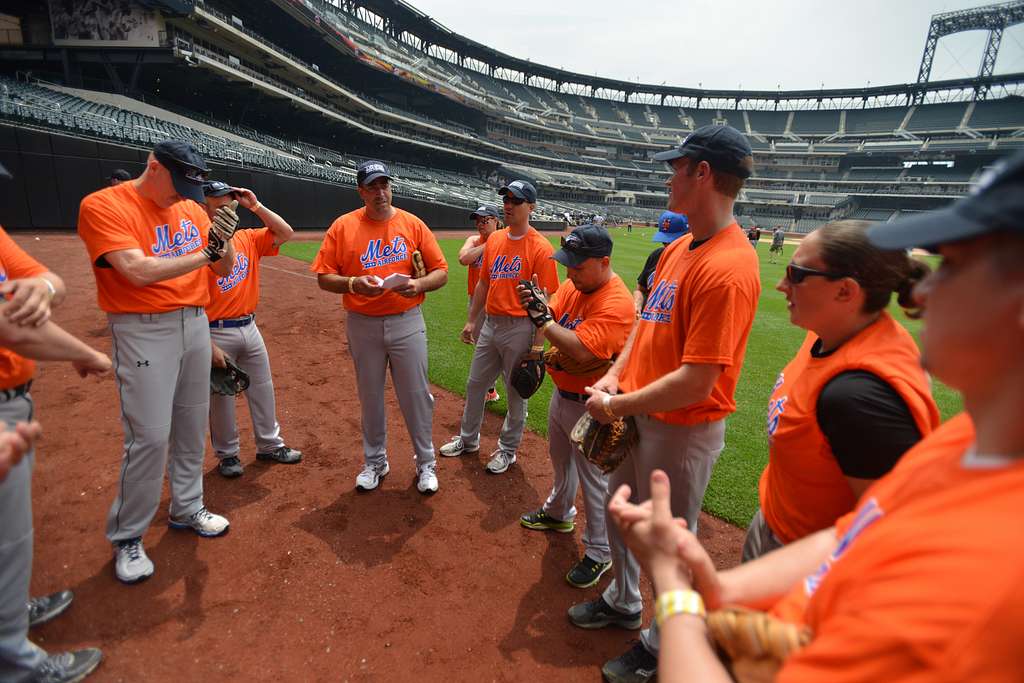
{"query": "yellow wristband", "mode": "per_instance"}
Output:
(547, 325)
(678, 602)
(351, 281)
(257, 207)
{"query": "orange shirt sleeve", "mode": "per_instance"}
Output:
(326, 261)
(264, 241)
(98, 225)
(713, 326)
(16, 262)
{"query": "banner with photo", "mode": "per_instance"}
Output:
(116, 23)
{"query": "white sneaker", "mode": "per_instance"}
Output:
(500, 461)
(131, 564)
(203, 522)
(456, 447)
(370, 477)
(426, 478)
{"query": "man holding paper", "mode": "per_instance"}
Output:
(370, 256)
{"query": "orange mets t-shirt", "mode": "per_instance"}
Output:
(119, 218)
(507, 260)
(237, 294)
(803, 489)
(700, 310)
(356, 245)
(925, 584)
(473, 269)
(602, 320)
(15, 264)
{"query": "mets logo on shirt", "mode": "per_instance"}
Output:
(505, 268)
(569, 324)
(661, 302)
(776, 407)
(186, 238)
(239, 272)
(380, 253)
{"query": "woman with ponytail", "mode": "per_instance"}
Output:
(854, 398)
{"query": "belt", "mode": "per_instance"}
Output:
(233, 322)
(15, 392)
(579, 398)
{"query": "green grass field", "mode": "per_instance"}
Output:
(732, 494)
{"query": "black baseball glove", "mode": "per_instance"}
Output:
(228, 381)
(536, 304)
(527, 378)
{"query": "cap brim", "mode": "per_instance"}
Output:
(569, 260)
(221, 193)
(514, 192)
(666, 237)
(669, 155)
(373, 176)
(186, 188)
(926, 230)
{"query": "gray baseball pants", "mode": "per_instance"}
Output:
(502, 342)
(570, 470)
(162, 364)
(245, 346)
(760, 539)
(687, 454)
(400, 341)
(18, 655)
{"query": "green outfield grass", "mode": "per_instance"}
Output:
(732, 494)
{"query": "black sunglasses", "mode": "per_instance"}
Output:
(797, 274)
(509, 199)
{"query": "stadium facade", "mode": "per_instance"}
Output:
(278, 93)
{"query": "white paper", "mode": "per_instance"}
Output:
(395, 280)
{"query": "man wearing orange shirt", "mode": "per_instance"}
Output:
(367, 255)
(587, 319)
(150, 242)
(471, 255)
(233, 333)
(678, 373)
(922, 581)
(518, 253)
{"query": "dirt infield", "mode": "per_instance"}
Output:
(314, 582)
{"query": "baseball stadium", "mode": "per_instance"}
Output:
(378, 237)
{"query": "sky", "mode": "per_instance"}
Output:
(729, 43)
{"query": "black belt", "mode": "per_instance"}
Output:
(15, 392)
(579, 398)
(233, 322)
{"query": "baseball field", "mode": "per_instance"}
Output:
(732, 494)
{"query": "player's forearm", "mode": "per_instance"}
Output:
(638, 299)
(468, 254)
(688, 384)
(335, 284)
(278, 226)
(686, 655)
(620, 362)
(46, 342)
(479, 299)
(568, 342)
(226, 263)
(760, 583)
(150, 269)
(435, 279)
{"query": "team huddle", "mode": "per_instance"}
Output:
(871, 515)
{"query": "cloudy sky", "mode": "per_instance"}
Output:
(729, 43)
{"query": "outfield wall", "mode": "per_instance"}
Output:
(52, 172)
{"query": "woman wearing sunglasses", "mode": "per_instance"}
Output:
(853, 399)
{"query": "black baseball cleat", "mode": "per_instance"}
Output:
(587, 572)
(636, 665)
(46, 607)
(598, 614)
(67, 667)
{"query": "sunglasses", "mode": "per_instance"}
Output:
(195, 175)
(509, 199)
(797, 274)
(575, 245)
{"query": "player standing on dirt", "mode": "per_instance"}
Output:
(233, 332)
(363, 252)
(471, 255)
(518, 253)
(150, 246)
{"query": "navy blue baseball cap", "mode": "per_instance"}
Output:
(723, 147)
(188, 170)
(120, 174)
(584, 242)
(217, 188)
(368, 171)
(995, 204)
(485, 210)
(671, 226)
(520, 189)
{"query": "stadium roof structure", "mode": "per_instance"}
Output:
(404, 22)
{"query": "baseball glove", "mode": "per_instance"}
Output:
(419, 269)
(754, 644)
(536, 305)
(556, 359)
(222, 229)
(527, 378)
(605, 445)
(228, 381)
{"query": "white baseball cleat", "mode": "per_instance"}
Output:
(426, 478)
(500, 461)
(203, 522)
(371, 476)
(131, 564)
